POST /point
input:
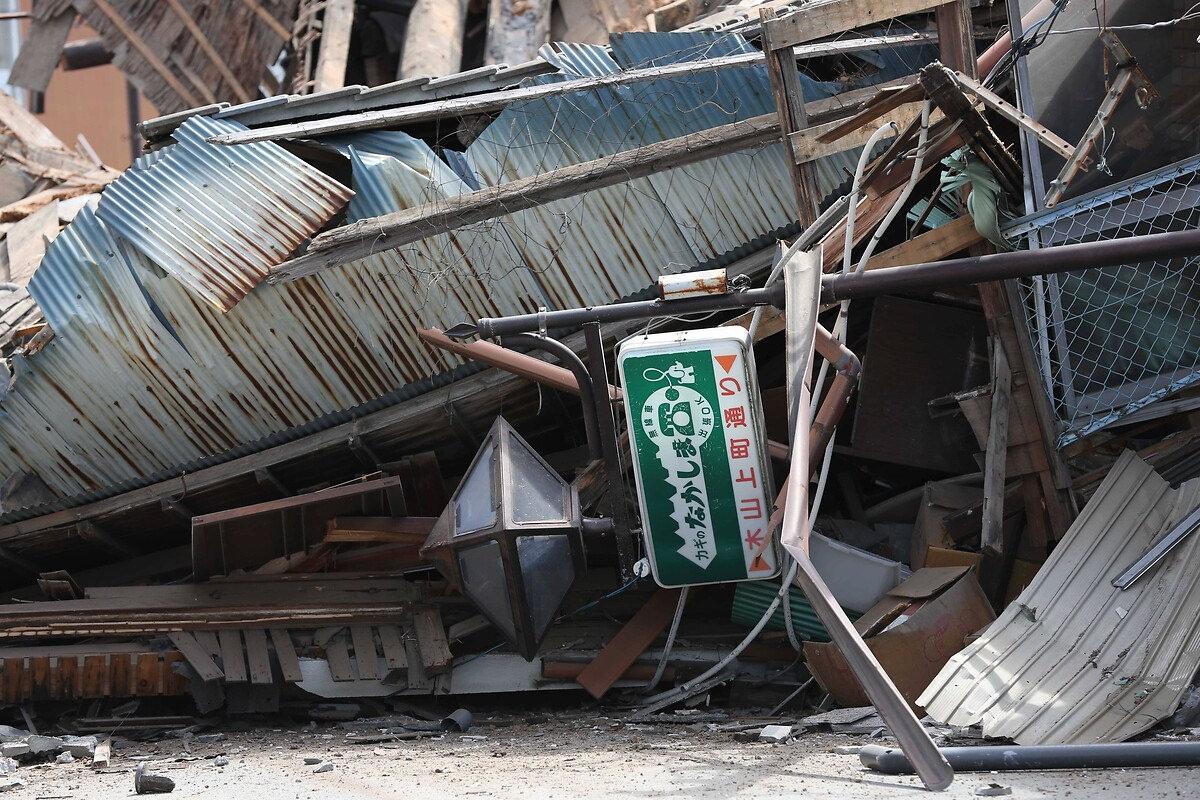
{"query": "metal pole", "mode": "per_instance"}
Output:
(892, 761)
(872, 283)
(618, 509)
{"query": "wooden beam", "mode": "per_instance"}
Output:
(811, 144)
(285, 655)
(431, 639)
(196, 655)
(231, 80)
(91, 532)
(433, 39)
(336, 26)
(629, 643)
(389, 231)
(956, 40)
(1015, 115)
(821, 18)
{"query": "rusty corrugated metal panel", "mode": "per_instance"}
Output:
(218, 218)
(1074, 659)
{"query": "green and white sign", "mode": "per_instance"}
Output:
(695, 421)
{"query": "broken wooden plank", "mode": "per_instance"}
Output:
(431, 639)
(285, 655)
(26, 243)
(404, 530)
(934, 245)
(335, 45)
(629, 643)
(996, 455)
(258, 656)
(197, 655)
(233, 658)
(40, 50)
(365, 655)
(808, 146)
(1015, 115)
(394, 654)
(208, 640)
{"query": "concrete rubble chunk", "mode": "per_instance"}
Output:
(311, 760)
(993, 790)
(11, 734)
(775, 733)
(80, 746)
(43, 744)
(13, 749)
(324, 766)
(65, 757)
(7, 766)
(10, 783)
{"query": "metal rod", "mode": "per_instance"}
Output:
(618, 508)
(872, 283)
(892, 761)
(587, 390)
(1159, 550)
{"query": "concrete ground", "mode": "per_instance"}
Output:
(558, 755)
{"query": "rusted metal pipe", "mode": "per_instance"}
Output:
(847, 371)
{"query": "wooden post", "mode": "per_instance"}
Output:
(996, 455)
(789, 101)
(516, 29)
(335, 45)
(433, 39)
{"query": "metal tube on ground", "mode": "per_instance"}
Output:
(892, 761)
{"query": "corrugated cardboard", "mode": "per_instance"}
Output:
(945, 604)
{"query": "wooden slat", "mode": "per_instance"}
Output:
(393, 647)
(149, 675)
(124, 681)
(629, 643)
(208, 640)
(431, 638)
(39, 674)
(197, 655)
(808, 147)
(364, 652)
(258, 656)
(63, 682)
(417, 677)
(94, 676)
(285, 655)
(173, 682)
(233, 658)
(337, 652)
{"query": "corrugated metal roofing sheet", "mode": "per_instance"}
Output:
(1074, 659)
(218, 218)
(147, 376)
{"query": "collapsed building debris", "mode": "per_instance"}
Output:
(259, 452)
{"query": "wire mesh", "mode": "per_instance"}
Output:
(1112, 342)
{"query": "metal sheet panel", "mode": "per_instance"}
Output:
(1074, 659)
(218, 218)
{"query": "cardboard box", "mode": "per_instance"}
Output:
(913, 631)
(945, 557)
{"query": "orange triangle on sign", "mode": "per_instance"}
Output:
(726, 361)
(759, 564)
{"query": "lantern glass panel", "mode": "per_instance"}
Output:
(475, 504)
(483, 581)
(548, 572)
(538, 494)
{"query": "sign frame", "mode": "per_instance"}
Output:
(692, 398)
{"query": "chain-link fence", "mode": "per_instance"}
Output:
(1111, 342)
